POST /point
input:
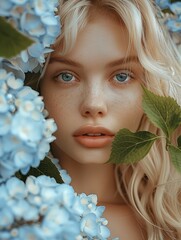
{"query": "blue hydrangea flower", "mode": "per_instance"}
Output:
(174, 25)
(173, 22)
(16, 70)
(49, 207)
(37, 20)
(89, 225)
(172, 19)
(163, 4)
(90, 217)
(21, 112)
(176, 8)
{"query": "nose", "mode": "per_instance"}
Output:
(93, 103)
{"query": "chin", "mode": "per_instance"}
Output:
(83, 155)
(93, 157)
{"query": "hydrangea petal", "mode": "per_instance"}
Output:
(174, 25)
(163, 3)
(19, 2)
(176, 8)
(5, 123)
(6, 218)
(89, 225)
(3, 103)
(16, 188)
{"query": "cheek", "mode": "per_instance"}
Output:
(130, 97)
(55, 102)
(128, 109)
(61, 108)
(134, 112)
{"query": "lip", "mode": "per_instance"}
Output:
(100, 136)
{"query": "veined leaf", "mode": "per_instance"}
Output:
(129, 147)
(12, 42)
(163, 112)
(46, 167)
(175, 154)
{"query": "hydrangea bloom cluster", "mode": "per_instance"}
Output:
(24, 132)
(172, 19)
(44, 210)
(37, 20)
(40, 208)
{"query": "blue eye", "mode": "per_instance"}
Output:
(66, 77)
(122, 77)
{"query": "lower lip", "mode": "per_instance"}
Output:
(94, 142)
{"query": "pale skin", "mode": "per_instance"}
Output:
(92, 86)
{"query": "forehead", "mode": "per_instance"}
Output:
(73, 24)
(104, 34)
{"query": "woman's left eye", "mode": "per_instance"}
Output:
(122, 77)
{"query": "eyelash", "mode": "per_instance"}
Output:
(127, 74)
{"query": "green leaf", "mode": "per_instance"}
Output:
(163, 112)
(179, 141)
(12, 42)
(46, 167)
(129, 147)
(31, 79)
(175, 154)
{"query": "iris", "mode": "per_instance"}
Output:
(122, 77)
(67, 77)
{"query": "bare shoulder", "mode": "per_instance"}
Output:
(122, 222)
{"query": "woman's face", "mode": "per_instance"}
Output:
(93, 91)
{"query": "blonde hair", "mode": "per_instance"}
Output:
(151, 186)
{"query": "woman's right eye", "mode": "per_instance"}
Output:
(65, 77)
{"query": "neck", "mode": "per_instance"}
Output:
(96, 179)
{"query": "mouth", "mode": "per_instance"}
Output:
(93, 136)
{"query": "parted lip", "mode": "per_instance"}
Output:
(89, 129)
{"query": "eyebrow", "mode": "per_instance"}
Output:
(65, 61)
(112, 64)
(124, 60)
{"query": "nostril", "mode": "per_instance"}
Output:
(93, 111)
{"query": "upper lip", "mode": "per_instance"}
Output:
(92, 130)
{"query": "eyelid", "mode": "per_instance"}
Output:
(128, 71)
(124, 70)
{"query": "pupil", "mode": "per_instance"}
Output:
(66, 77)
